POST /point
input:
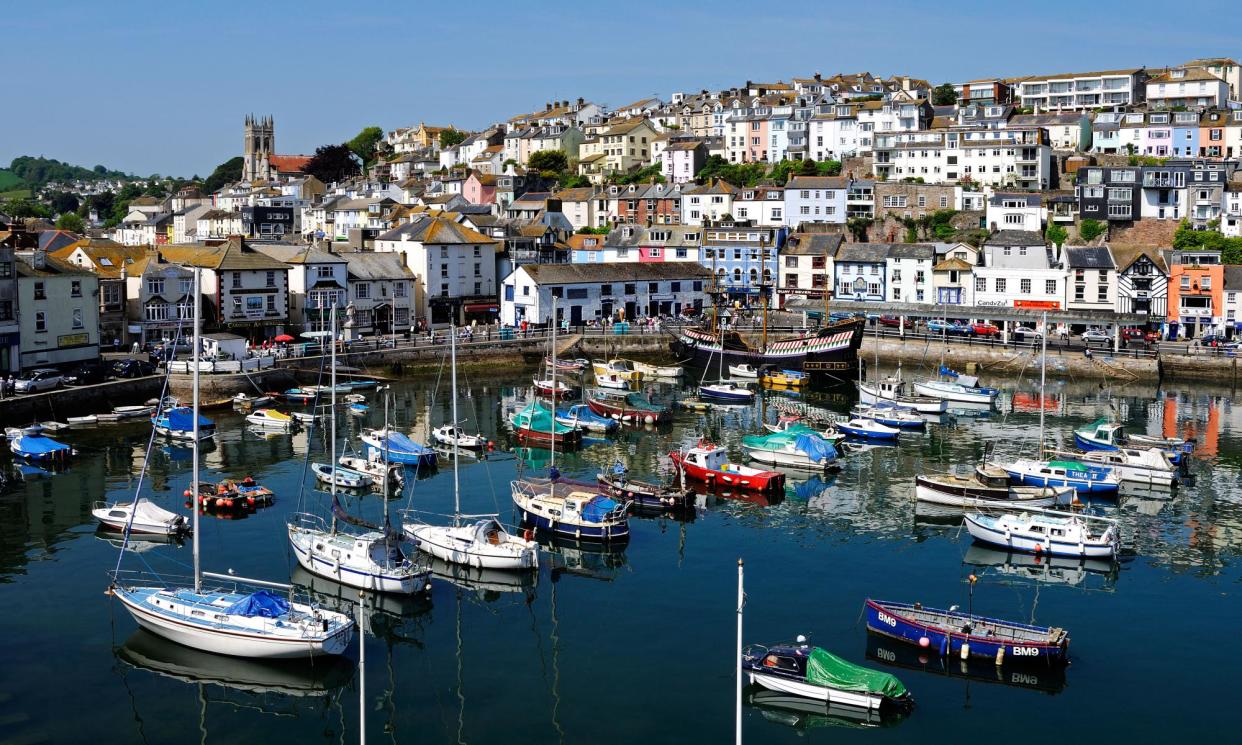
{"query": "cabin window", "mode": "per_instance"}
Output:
(116, 513)
(197, 613)
(1058, 532)
(1037, 528)
(554, 513)
(780, 663)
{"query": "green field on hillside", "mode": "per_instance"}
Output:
(9, 181)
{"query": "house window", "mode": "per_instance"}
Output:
(362, 290)
(1050, 287)
(981, 284)
(1000, 284)
(155, 286)
(39, 292)
(75, 288)
(40, 322)
(271, 279)
(323, 272)
(605, 290)
(237, 280)
(271, 303)
(478, 270)
(398, 289)
(444, 252)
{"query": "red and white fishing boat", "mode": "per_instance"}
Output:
(710, 464)
(550, 389)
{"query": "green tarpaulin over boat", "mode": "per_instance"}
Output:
(826, 669)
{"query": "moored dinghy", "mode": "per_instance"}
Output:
(271, 419)
(142, 516)
(567, 510)
(988, 485)
(801, 449)
(815, 673)
(710, 464)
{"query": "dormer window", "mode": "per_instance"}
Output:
(1177, 74)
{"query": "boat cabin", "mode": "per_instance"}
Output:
(714, 459)
(1103, 432)
(992, 476)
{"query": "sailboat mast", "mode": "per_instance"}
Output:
(1043, 378)
(332, 414)
(194, 404)
(456, 433)
(552, 422)
(741, 603)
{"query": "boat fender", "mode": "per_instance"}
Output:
(186, 493)
(528, 534)
(1000, 655)
(924, 642)
(965, 651)
(324, 623)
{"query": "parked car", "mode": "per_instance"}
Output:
(947, 327)
(1136, 334)
(35, 381)
(984, 329)
(1025, 333)
(895, 322)
(87, 373)
(1212, 340)
(1096, 336)
(132, 368)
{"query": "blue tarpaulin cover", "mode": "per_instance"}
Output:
(36, 446)
(949, 372)
(598, 508)
(816, 447)
(400, 442)
(182, 419)
(262, 603)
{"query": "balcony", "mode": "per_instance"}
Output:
(1153, 180)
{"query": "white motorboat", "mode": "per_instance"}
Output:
(1048, 533)
(346, 478)
(965, 389)
(354, 398)
(745, 371)
(305, 417)
(247, 402)
(1148, 466)
(225, 620)
(889, 415)
(613, 381)
(621, 368)
(892, 389)
(814, 673)
(449, 436)
(142, 516)
(53, 426)
(82, 421)
(656, 371)
(482, 541)
(987, 486)
(373, 467)
(272, 419)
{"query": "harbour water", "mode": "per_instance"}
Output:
(636, 644)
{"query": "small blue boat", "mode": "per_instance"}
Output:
(299, 395)
(580, 416)
(890, 416)
(869, 429)
(178, 423)
(39, 448)
(726, 393)
(363, 384)
(1103, 434)
(358, 409)
(946, 632)
(1083, 478)
(400, 448)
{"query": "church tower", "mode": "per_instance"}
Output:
(260, 143)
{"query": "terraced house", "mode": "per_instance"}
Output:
(248, 291)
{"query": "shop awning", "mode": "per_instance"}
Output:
(481, 308)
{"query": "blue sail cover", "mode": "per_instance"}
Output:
(262, 603)
(181, 419)
(402, 443)
(948, 372)
(598, 508)
(37, 446)
(817, 448)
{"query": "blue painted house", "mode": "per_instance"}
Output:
(860, 273)
(744, 258)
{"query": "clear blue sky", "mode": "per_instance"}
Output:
(163, 86)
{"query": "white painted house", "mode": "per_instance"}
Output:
(454, 268)
(587, 293)
(812, 199)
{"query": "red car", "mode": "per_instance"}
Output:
(1134, 334)
(984, 329)
(895, 322)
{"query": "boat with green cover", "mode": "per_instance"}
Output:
(816, 673)
(793, 448)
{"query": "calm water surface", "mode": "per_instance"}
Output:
(637, 644)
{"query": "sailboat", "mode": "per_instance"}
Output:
(372, 560)
(1085, 478)
(725, 391)
(332, 472)
(259, 624)
(481, 541)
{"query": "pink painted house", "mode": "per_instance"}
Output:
(479, 188)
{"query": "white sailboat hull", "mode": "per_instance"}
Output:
(868, 394)
(363, 574)
(859, 700)
(235, 644)
(959, 394)
(444, 543)
(931, 495)
(787, 458)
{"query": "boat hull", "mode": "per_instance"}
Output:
(858, 700)
(788, 459)
(1047, 546)
(927, 489)
(886, 619)
(323, 565)
(439, 543)
(763, 481)
(614, 532)
(238, 644)
(833, 353)
(868, 394)
(571, 438)
(626, 413)
(959, 396)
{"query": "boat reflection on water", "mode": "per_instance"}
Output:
(1049, 679)
(488, 585)
(1054, 570)
(594, 560)
(808, 489)
(138, 542)
(322, 675)
(804, 713)
(393, 618)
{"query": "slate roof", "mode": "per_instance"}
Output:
(1015, 238)
(230, 256)
(563, 274)
(1032, 200)
(813, 244)
(1089, 257)
(1233, 277)
(911, 251)
(866, 253)
(291, 253)
(371, 265)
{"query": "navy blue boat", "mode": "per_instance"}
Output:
(946, 632)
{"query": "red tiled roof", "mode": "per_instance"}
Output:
(289, 163)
